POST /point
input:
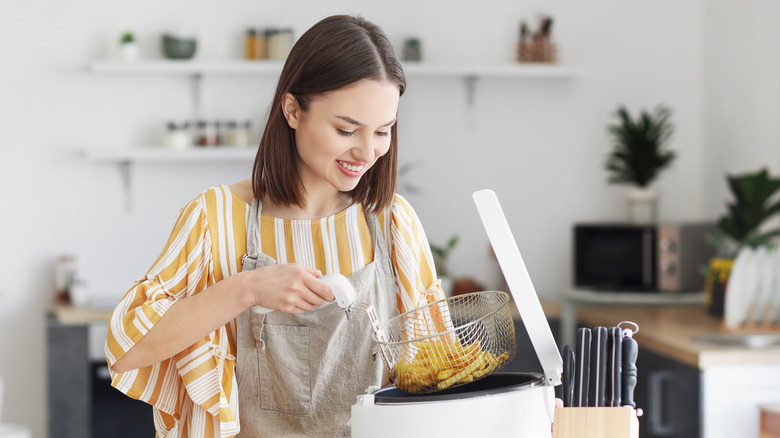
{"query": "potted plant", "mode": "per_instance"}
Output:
(128, 47)
(753, 203)
(638, 156)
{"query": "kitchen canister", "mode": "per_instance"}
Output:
(280, 42)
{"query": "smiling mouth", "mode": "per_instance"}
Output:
(351, 167)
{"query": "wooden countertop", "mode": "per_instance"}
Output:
(670, 330)
(67, 314)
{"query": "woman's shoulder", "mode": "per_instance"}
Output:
(399, 212)
(401, 205)
(224, 195)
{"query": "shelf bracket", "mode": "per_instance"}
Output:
(195, 89)
(125, 173)
(471, 83)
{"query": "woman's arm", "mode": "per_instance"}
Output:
(290, 288)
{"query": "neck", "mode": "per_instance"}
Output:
(316, 207)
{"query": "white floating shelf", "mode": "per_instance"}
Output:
(166, 155)
(187, 67)
(237, 67)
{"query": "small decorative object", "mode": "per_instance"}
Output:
(440, 256)
(537, 47)
(128, 47)
(638, 156)
(715, 283)
(181, 44)
(412, 50)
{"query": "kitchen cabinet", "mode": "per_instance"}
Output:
(689, 388)
(668, 392)
(81, 401)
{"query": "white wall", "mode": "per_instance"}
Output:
(741, 92)
(539, 144)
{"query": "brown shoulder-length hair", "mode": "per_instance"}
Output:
(336, 52)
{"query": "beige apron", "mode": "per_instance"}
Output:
(299, 375)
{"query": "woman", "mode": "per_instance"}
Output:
(321, 199)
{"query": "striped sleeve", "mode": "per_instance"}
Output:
(415, 274)
(192, 380)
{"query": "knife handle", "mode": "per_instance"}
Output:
(582, 366)
(568, 375)
(614, 362)
(630, 352)
(598, 367)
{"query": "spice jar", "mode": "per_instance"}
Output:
(177, 135)
(254, 45)
(238, 134)
(206, 134)
(280, 42)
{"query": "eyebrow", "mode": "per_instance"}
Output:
(352, 121)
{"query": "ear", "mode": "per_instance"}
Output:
(291, 110)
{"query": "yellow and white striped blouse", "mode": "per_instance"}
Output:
(194, 393)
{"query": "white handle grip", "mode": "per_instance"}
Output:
(342, 289)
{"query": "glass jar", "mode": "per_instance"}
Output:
(178, 135)
(280, 42)
(254, 44)
(206, 134)
(238, 133)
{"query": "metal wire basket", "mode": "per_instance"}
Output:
(448, 343)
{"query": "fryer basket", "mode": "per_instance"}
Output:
(449, 342)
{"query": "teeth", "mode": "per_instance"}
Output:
(349, 166)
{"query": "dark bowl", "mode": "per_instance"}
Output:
(178, 48)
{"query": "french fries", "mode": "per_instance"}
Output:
(438, 365)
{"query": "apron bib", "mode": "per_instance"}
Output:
(299, 375)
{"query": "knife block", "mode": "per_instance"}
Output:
(612, 422)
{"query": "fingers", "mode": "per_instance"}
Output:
(291, 288)
(322, 290)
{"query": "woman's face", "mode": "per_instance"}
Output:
(342, 133)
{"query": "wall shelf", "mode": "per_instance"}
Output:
(126, 158)
(160, 154)
(195, 70)
(412, 69)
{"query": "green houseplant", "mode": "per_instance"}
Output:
(639, 154)
(128, 47)
(753, 203)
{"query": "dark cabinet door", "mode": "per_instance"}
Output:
(669, 394)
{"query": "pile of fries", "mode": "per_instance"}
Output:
(438, 365)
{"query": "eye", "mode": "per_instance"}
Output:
(345, 133)
(383, 133)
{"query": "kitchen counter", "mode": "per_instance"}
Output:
(66, 314)
(670, 331)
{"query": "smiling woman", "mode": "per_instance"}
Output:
(321, 200)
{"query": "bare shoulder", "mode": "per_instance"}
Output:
(244, 190)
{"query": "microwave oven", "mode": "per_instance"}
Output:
(664, 257)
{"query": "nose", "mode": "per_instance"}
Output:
(366, 150)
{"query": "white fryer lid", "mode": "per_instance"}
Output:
(519, 282)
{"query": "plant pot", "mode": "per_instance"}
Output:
(643, 204)
(128, 51)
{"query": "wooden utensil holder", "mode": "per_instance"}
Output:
(613, 422)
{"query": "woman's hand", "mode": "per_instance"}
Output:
(288, 288)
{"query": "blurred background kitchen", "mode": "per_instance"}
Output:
(90, 170)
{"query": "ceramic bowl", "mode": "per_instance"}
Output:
(179, 48)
